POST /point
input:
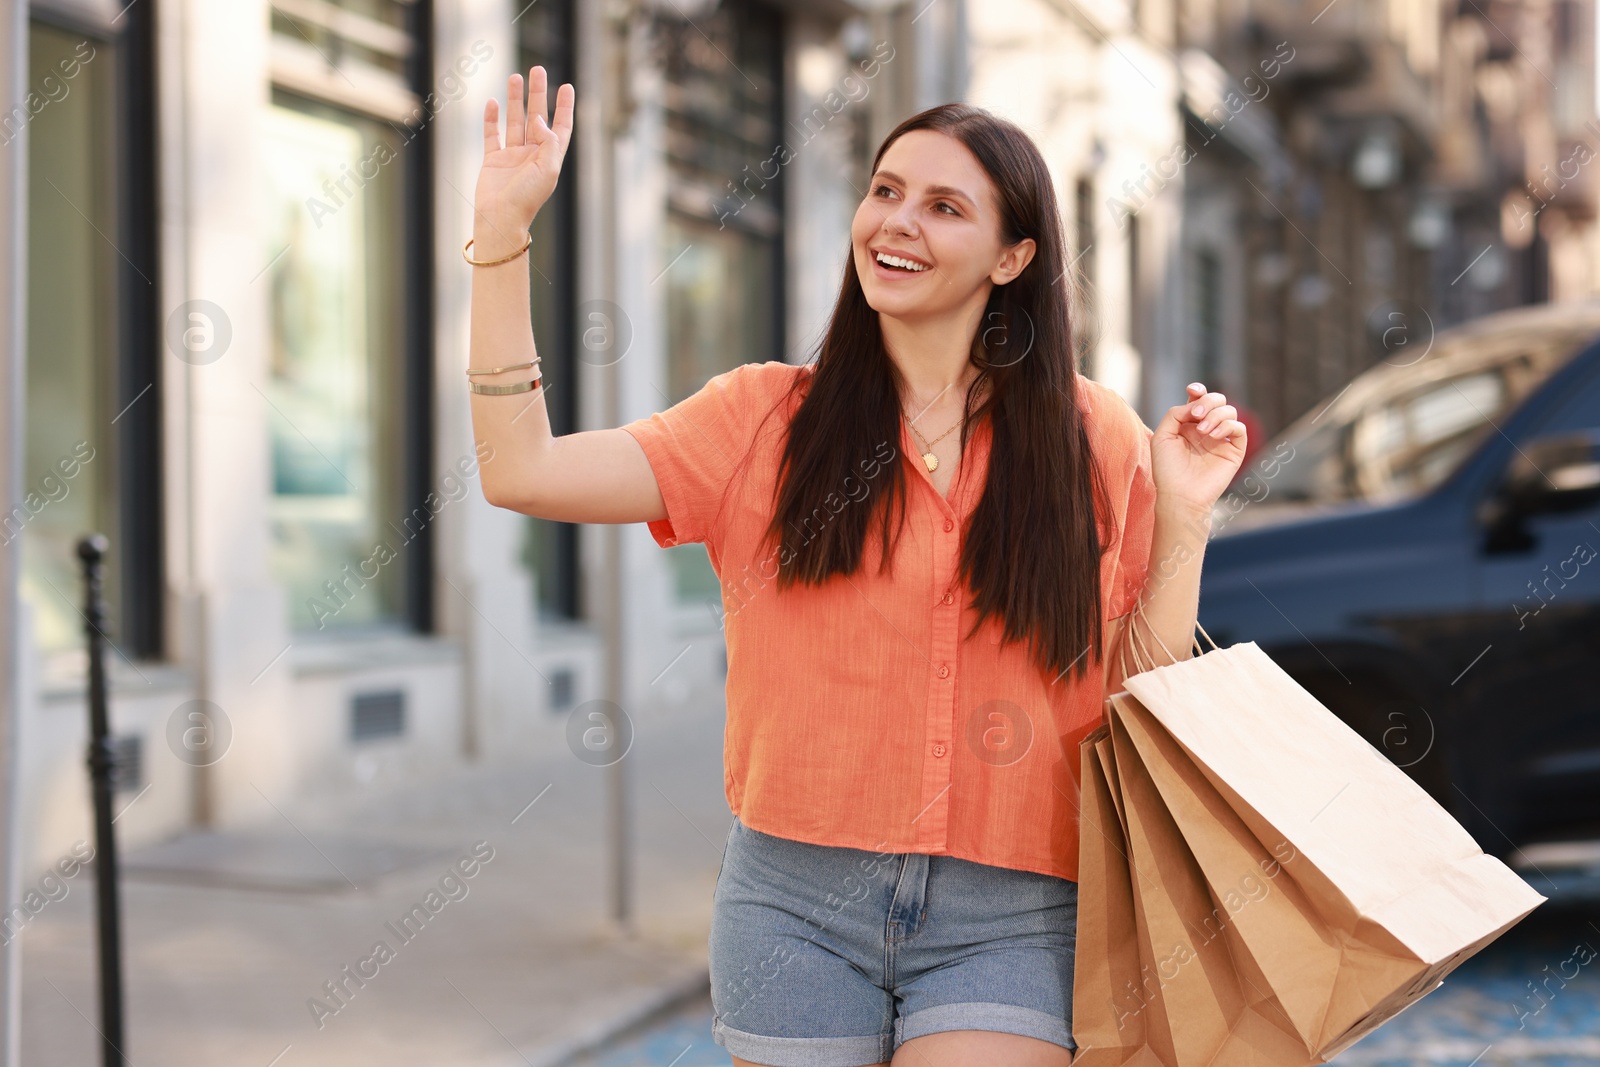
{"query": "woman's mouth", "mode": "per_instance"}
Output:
(892, 264)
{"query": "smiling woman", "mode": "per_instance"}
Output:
(899, 883)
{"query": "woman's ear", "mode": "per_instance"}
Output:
(1013, 261)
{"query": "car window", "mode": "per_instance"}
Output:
(1315, 470)
(1409, 444)
(1399, 431)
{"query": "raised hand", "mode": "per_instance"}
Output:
(519, 176)
(1196, 449)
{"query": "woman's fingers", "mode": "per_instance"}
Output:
(526, 121)
(563, 123)
(491, 127)
(1216, 416)
(538, 104)
(1210, 412)
(1201, 405)
(516, 127)
(1196, 407)
(1232, 429)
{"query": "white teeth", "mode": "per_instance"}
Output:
(896, 261)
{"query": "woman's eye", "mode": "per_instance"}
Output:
(879, 190)
(948, 207)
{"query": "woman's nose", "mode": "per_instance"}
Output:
(900, 220)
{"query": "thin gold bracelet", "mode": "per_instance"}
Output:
(504, 390)
(500, 370)
(495, 262)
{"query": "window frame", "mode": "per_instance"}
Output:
(418, 353)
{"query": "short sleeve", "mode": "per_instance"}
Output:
(696, 446)
(1121, 444)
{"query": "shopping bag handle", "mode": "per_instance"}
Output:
(1139, 646)
(1122, 655)
(1143, 658)
(1131, 645)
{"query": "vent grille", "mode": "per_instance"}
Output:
(561, 689)
(377, 715)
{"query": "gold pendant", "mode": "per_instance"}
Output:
(931, 460)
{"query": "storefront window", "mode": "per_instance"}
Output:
(73, 274)
(720, 302)
(723, 239)
(333, 223)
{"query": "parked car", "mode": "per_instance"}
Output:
(1422, 552)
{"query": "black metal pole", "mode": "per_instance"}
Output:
(92, 551)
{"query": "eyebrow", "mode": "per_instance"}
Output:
(933, 190)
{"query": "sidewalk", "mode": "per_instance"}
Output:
(226, 938)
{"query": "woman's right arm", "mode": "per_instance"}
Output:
(591, 476)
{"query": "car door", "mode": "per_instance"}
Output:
(1532, 688)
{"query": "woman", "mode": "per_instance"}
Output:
(904, 710)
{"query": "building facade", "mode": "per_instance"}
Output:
(233, 238)
(1272, 196)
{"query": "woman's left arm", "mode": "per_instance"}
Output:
(1195, 452)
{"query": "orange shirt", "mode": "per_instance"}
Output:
(857, 715)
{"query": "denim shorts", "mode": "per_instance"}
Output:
(831, 957)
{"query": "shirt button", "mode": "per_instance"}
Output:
(944, 671)
(948, 599)
(949, 525)
(938, 749)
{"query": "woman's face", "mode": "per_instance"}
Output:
(933, 212)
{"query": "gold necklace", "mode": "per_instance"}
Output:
(930, 460)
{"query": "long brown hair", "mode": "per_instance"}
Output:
(1030, 554)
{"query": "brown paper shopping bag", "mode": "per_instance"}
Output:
(1108, 965)
(1257, 883)
(1156, 969)
(1216, 1005)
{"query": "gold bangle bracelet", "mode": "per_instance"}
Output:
(503, 390)
(495, 262)
(501, 370)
